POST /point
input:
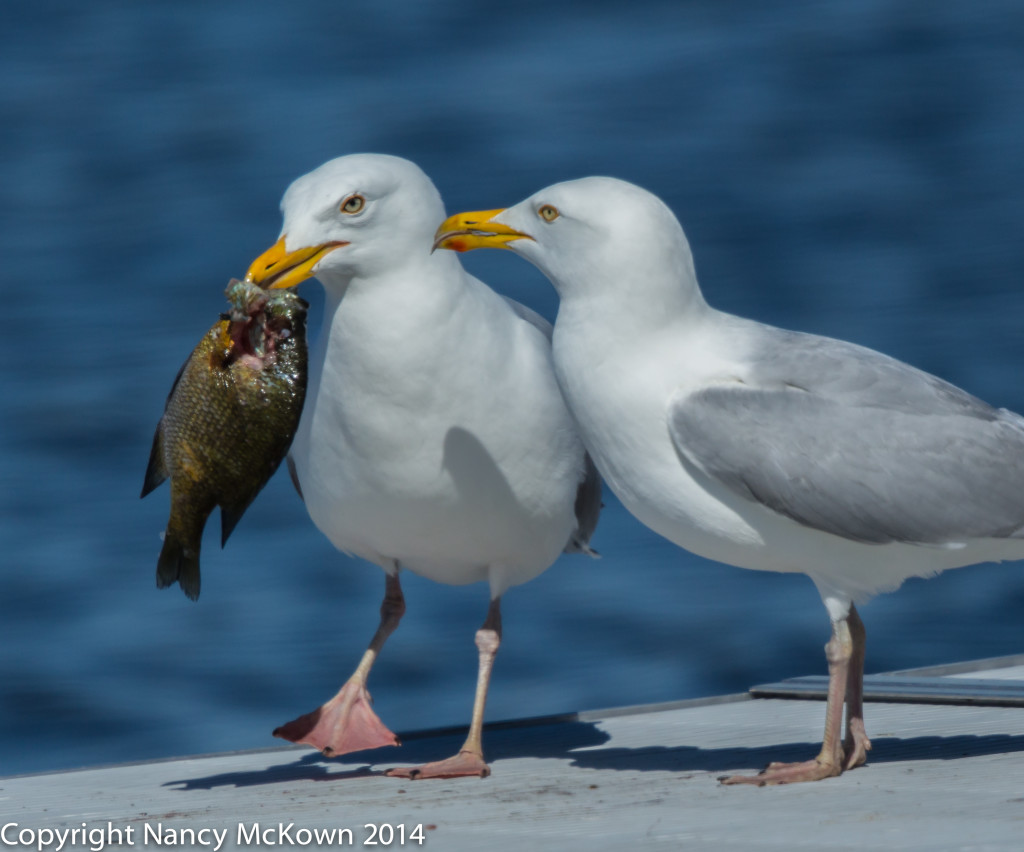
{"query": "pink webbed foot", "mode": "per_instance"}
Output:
(785, 773)
(344, 724)
(465, 763)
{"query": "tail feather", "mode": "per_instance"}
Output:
(588, 509)
(179, 563)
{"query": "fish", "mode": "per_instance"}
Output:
(228, 422)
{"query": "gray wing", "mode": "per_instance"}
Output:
(588, 508)
(849, 441)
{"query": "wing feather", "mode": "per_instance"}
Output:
(848, 441)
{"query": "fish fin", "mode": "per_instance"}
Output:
(178, 563)
(229, 518)
(155, 470)
(294, 474)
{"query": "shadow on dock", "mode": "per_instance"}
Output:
(580, 743)
(884, 750)
(502, 740)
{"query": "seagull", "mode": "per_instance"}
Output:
(434, 436)
(754, 446)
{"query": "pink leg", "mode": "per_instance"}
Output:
(829, 761)
(470, 759)
(856, 745)
(347, 722)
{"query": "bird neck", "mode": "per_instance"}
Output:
(416, 289)
(426, 274)
(640, 302)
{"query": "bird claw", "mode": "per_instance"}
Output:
(785, 773)
(856, 746)
(465, 763)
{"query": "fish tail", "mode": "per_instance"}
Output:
(179, 557)
(179, 563)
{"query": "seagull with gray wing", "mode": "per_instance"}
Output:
(754, 446)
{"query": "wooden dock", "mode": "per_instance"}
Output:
(946, 772)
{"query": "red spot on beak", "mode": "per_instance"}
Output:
(457, 245)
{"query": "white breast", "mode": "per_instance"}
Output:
(436, 436)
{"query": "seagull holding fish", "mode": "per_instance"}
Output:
(754, 446)
(434, 436)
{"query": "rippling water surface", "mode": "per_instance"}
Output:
(852, 169)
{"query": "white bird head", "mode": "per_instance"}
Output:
(593, 237)
(358, 215)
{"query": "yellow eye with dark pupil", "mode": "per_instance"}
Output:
(353, 204)
(548, 213)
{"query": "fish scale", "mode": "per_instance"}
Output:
(228, 422)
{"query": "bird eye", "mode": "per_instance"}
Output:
(548, 213)
(353, 204)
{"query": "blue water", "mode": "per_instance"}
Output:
(849, 168)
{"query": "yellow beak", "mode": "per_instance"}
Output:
(466, 231)
(278, 268)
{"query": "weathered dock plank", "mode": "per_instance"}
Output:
(940, 777)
